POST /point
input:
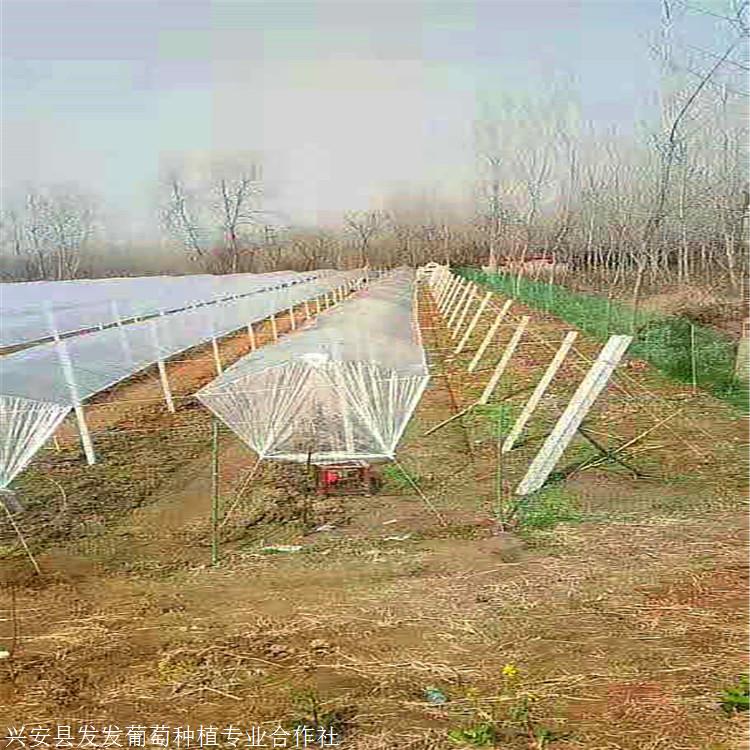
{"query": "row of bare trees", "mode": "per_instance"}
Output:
(46, 236)
(667, 202)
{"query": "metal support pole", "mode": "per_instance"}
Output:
(274, 330)
(251, 336)
(292, 321)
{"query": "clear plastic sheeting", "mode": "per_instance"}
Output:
(57, 376)
(29, 309)
(342, 388)
(25, 427)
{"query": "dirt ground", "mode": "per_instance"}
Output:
(614, 621)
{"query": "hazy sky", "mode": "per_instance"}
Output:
(346, 99)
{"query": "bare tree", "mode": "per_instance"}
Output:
(179, 217)
(215, 218)
(672, 145)
(365, 225)
(51, 232)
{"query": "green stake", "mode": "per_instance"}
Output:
(215, 493)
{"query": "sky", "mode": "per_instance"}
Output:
(347, 101)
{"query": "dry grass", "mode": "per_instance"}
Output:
(624, 625)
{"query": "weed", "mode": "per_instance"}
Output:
(545, 509)
(519, 719)
(311, 714)
(736, 698)
(502, 416)
(480, 735)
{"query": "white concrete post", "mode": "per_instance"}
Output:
(472, 325)
(459, 303)
(565, 428)
(541, 387)
(217, 358)
(464, 312)
(166, 390)
(490, 335)
(67, 368)
(504, 360)
(124, 343)
(450, 293)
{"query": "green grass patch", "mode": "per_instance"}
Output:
(396, 476)
(736, 699)
(663, 341)
(546, 508)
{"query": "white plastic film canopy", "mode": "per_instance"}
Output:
(41, 384)
(342, 388)
(86, 304)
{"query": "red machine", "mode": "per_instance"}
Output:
(357, 478)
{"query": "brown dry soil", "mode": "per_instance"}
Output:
(619, 597)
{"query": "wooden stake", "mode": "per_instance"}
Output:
(251, 336)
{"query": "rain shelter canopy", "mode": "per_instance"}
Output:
(41, 384)
(85, 304)
(340, 389)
